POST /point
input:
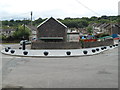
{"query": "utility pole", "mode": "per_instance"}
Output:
(1, 29)
(24, 28)
(31, 17)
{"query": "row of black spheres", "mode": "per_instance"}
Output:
(68, 52)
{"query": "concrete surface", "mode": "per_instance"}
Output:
(97, 71)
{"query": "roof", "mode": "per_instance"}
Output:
(7, 30)
(54, 19)
(33, 28)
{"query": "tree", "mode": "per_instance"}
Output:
(3, 37)
(90, 29)
(118, 20)
(21, 33)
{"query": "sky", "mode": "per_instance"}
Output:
(19, 9)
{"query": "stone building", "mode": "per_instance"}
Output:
(52, 30)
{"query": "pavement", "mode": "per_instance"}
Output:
(97, 71)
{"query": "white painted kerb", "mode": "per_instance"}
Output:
(56, 53)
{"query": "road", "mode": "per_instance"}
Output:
(98, 71)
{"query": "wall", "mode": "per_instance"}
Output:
(73, 37)
(56, 45)
(98, 43)
(69, 45)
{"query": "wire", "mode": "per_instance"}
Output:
(86, 7)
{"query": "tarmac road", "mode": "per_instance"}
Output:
(98, 71)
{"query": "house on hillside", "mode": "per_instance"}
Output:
(115, 29)
(7, 32)
(52, 30)
(106, 28)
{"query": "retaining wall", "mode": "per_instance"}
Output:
(98, 43)
(56, 45)
(70, 45)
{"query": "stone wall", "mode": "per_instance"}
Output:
(55, 45)
(98, 43)
(69, 45)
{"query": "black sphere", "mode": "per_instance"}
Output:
(45, 53)
(116, 44)
(20, 47)
(93, 50)
(110, 46)
(97, 49)
(25, 52)
(68, 53)
(105, 47)
(6, 50)
(9, 47)
(113, 45)
(102, 48)
(85, 52)
(12, 51)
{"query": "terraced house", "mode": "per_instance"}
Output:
(7, 32)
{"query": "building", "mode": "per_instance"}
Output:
(7, 32)
(52, 30)
(106, 28)
(115, 29)
(33, 31)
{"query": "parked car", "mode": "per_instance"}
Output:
(26, 42)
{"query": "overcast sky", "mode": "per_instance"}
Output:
(18, 9)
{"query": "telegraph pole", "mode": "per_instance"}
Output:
(24, 28)
(31, 17)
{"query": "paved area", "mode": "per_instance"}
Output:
(98, 71)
